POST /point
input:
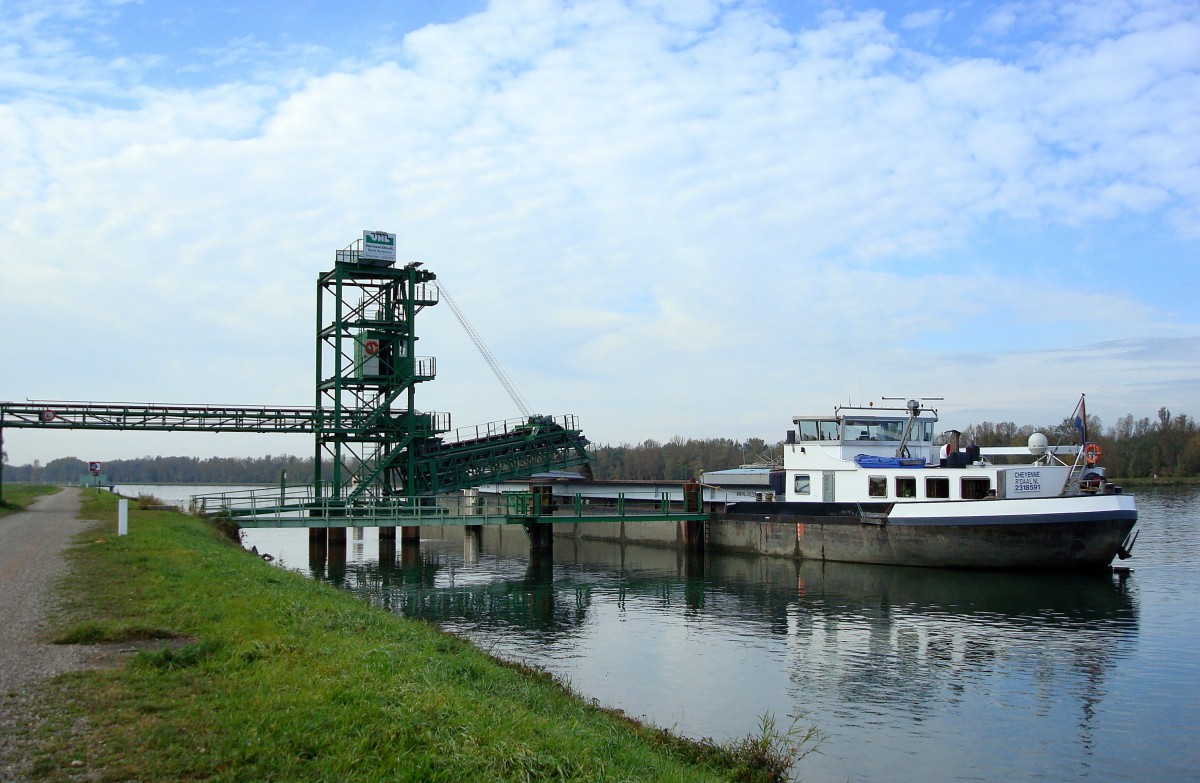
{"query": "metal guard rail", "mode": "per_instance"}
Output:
(301, 507)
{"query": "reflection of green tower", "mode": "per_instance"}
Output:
(367, 424)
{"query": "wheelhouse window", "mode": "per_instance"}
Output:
(886, 430)
(937, 487)
(814, 429)
(803, 484)
(877, 486)
(906, 487)
(975, 488)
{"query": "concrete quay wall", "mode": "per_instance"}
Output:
(741, 536)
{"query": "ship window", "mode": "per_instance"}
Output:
(975, 488)
(803, 484)
(889, 430)
(808, 430)
(829, 430)
(874, 429)
(906, 487)
(877, 486)
(937, 487)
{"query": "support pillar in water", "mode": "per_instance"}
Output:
(541, 537)
(387, 552)
(337, 556)
(318, 551)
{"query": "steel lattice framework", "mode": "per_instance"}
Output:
(68, 415)
(367, 422)
(378, 447)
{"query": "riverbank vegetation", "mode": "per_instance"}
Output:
(17, 497)
(1167, 447)
(246, 671)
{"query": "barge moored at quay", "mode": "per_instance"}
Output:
(871, 484)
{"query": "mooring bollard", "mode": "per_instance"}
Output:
(122, 516)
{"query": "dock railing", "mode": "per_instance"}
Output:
(301, 506)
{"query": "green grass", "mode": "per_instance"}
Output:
(18, 496)
(281, 678)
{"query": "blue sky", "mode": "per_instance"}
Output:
(668, 217)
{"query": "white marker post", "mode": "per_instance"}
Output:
(123, 516)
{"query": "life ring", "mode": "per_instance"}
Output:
(1091, 453)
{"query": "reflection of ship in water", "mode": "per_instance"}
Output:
(872, 636)
(930, 639)
(470, 574)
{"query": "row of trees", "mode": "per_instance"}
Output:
(678, 459)
(170, 470)
(1168, 446)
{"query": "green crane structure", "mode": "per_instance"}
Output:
(368, 427)
(389, 464)
(382, 453)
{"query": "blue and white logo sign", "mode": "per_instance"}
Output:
(378, 246)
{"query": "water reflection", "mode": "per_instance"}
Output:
(913, 644)
(913, 674)
(864, 646)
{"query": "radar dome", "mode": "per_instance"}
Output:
(1038, 444)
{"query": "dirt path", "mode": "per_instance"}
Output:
(31, 546)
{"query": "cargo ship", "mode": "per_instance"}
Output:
(867, 484)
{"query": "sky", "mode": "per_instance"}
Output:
(693, 218)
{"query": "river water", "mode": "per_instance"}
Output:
(910, 674)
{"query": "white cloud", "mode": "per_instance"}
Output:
(667, 217)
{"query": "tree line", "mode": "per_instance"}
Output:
(1165, 447)
(170, 470)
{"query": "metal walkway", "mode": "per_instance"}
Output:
(73, 415)
(299, 506)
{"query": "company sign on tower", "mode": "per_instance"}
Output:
(378, 248)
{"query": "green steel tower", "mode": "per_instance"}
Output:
(367, 424)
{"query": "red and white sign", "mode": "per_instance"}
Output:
(371, 347)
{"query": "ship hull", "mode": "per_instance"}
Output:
(1052, 534)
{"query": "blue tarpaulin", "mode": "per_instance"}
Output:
(871, 461)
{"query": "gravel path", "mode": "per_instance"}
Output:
(31, 546)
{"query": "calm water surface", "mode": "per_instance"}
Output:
(912, 674)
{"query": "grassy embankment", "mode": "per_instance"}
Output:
(18, 496)
(276, 677)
